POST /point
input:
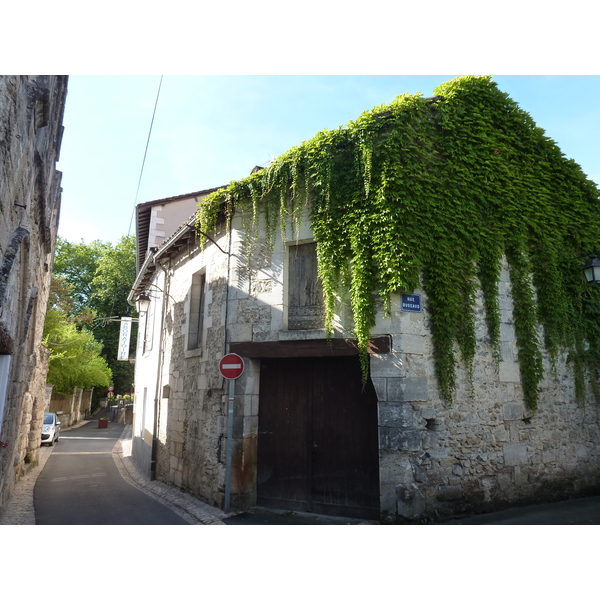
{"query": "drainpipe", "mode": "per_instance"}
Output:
(158, 392)
(229, 411)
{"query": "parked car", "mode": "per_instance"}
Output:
(50, 429)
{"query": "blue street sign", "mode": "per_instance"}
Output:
(411, 302)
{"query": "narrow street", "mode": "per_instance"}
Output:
(81, 485)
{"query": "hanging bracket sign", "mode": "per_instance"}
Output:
(124, 337)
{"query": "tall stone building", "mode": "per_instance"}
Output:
(31, 115)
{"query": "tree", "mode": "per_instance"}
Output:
(77, 264)
(100, 276)
(115, 275)
(75, 356)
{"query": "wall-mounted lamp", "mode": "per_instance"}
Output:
(143, 303)
(591, 269)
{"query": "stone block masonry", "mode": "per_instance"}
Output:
(31, 113)
(486, 450)
(483, 451)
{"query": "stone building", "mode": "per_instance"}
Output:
(310, 432)
(31, 115)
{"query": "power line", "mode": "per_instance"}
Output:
(145, 153)
(139, 182)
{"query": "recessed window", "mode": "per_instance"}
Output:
(4, 374)
(149, 327)
(196, 320)
(306, 308)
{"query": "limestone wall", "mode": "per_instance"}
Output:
(483, 451)
(182, 384)
(31, 112)
(71, 408)
(486, 450)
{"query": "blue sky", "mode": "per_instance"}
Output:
(210, 130)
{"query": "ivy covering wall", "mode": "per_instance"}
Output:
(434, 192)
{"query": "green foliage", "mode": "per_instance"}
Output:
(99, 276)
(77, 264)
(436, 192)
(75, 359)
(113, 278)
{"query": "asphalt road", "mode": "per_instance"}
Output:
(81, 485)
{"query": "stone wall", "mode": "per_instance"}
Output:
(31, 113)
(71, 408)
(482, 452)
(184, 386)
(486, 450)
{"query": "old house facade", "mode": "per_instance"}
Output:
(31, 114)
(391, 425)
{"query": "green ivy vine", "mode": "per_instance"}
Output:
(436, 192)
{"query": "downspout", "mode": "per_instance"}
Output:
(229, 405)
(158, 392)
(226, 349)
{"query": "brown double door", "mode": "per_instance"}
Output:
(318, 441)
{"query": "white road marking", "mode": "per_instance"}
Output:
(72, 437)
(79, 477)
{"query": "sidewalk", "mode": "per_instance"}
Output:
(187, 506)
(19, 510)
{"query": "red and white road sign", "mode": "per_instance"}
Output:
(231, 366)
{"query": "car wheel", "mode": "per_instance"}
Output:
(52, 442)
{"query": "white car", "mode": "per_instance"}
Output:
(50, 429)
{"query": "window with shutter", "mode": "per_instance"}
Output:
(306, 309)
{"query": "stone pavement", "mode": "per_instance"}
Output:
(19, 509)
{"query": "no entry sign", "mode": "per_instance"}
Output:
(231, 366)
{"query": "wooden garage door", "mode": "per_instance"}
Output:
(318, 441)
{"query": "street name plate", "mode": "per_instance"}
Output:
(411, 302)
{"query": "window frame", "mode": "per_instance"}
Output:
(5, 362)
(196, 316)
(318, 320)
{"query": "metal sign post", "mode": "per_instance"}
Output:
(231, 367)
(229, 444)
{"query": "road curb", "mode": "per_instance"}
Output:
(190, 508)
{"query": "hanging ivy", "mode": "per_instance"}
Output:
(436, 192)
